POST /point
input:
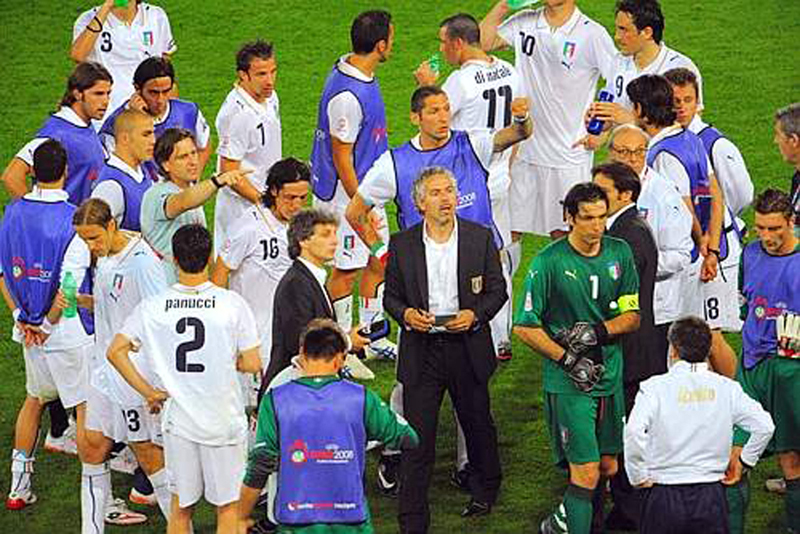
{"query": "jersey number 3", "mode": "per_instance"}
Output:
(188, 346)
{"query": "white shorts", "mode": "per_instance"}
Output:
(125, 424)
(537, 193)
(351, 253)
(57, 374)
(721, 295)
(501, 213)
(195, 470)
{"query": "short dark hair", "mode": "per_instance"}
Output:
(462, 26)
(249, 51)
(165, 146)
(301, 227)
(789, 119)
(774, 201)
(585, 192)
(49, 162)
(151, 68)
(368, 29)
(624, 178)
(83, 77)
(285, 171)
(681, 77)
(93, 212)
(691, 339)
(644, 13)
(654, 94)
(421, 93)
(322, 339)
(191, 248)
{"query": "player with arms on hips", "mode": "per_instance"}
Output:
(560, 54)
(770, 370)
(480, 93)
(126, 272)
(249, 128)
(154, 81)
(119, 35)
(196, 336)
(38, 247)
(350, 136)
(580, 294)
(85, 98)
(255, 255)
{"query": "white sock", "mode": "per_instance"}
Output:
(500, 325)
(343, 309)
(370, 310)
(515, 256)
(21, 469)
(161, 489)
(95, 493)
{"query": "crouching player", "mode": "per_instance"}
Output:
(319, 485)
(196, 337)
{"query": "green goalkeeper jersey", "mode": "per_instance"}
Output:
(563, 287)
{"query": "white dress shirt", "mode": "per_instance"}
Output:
(441, 261)
(681, 427)
(320, 275)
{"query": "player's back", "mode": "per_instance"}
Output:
(192, 336)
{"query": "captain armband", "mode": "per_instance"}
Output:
(628, 303)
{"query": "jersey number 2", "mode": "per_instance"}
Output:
(187, 346)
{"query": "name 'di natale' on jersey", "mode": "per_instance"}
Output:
(493, 75)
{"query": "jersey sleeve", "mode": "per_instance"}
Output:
(82, 22)
(202, 131)
(455, 93)
(111, 192)
(379, 185)
(733, 175)
(246, 331)
(533, 300)
(133, 327)
(668, 165)
(628, 300)
(604, 53)
(483, 143)
(344, 117)
(510, 27)
(149, 275)
(636, 437)
(263, 458)
(385, 425)
(77, 260)
(26, 152)
(234, 140)
(238, 244)
(166, 41)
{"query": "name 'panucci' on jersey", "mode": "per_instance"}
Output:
(192, 337)
(563, 287)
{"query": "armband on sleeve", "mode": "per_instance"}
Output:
(628, 303)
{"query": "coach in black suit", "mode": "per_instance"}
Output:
(301, 295)
(641, 355)
(446, 268)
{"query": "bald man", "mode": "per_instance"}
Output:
(123, 181)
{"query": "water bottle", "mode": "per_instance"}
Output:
(121, 3)
(519, 4)
(70, 290)
(435, 62)
(596, 125)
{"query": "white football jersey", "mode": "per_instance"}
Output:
(257, 252)
(121, 282)
(480, 95)
(192, 337)
(560, 68)
(624, 71)
(249, 132)
(120, 47)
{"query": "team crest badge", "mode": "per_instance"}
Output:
(528, 302)
(568, 54)
(18, 268)
(614, 270)
(147, 38)
(349, 242)
(477, 284)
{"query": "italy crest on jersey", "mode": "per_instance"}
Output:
(614, 270)
(147, 38)
(568, 54)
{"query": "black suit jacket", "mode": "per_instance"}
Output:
(481, 288)
(641, 357)
(298, 299)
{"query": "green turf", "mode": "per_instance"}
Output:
(750, 68)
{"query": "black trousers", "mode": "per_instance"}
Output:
(446, 368)
(685, 509)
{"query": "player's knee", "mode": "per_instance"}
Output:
(93, 447)
(585, 475)
(790, 464)
(149, 456)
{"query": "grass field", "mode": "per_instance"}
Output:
(750, 68)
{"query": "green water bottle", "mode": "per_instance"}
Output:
(435, 62)
(70, 290)
(120, 3)
(519, 4)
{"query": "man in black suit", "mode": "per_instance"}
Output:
(443, 285)
(641, 355)
(301, 294)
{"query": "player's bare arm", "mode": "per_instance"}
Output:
(6, 295)
(220, 273)
(197, 194)
(83, 45)
(520, 129)
(490, 40)
(711, 261)
(358, 215)
(13, 177)
(244, 188)
(624, 323)
(425, 75)
(342, 154)
(537, 339)
(117, 354)
(249, 361)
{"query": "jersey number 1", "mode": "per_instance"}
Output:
(187, 346)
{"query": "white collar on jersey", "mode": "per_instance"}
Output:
(666, 132)
(69, 115)
(697, 124)
(136, 173)
(192, 289)
(684, 366)
(351, 70)
(567, 27)
(47, 195)
(250, 101)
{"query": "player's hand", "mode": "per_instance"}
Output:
(583, 337)
(357, 342)
(708, 271)
(787, 327)
(462, 322)
(611, 113)
(583, 372)
(589, 142)
(233, 177)
(245, 525)
(60, 302)
(425, 75)
(85, 301)
(137, 102)
(377, 222)
(520, 107)
(419, 320)
(155, 400)
(34, 336)
(644, 485)
(734, 472)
